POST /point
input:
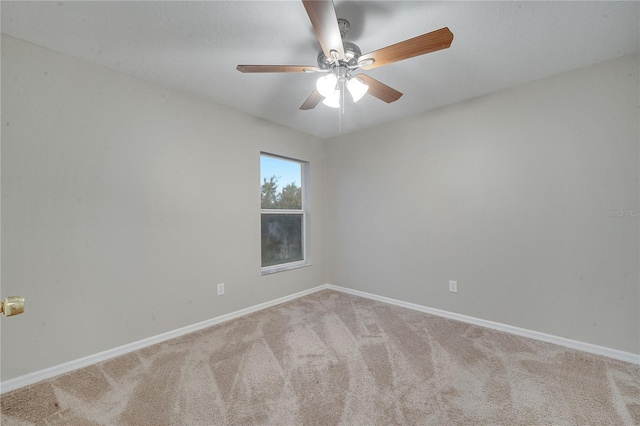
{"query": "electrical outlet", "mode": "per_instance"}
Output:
(220, 289)
(453, 286)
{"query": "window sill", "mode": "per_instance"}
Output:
(268, 270)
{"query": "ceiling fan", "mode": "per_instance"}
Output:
(339, 58)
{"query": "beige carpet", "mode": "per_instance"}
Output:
(331, 358)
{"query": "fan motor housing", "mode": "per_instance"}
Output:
(351, 52)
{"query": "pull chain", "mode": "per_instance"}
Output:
(341, 109)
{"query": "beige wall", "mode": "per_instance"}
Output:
(125, 203)
(507, 194)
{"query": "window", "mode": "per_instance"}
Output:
(283, 213)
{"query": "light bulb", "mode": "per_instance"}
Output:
(326, 85)
(333, 100)
(357, 88)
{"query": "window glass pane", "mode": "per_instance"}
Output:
(281, 238)
(281, 182)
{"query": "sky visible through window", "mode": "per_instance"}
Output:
(285, 171)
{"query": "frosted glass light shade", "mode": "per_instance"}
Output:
(333, 100)
(326, 85)
(357, 88)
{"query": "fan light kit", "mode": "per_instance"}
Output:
(338, 58)
(329, 86)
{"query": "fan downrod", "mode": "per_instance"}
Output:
(344, 26)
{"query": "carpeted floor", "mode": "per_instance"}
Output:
(332, 358)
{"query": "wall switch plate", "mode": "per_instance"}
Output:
(220, 289)
(453, 286)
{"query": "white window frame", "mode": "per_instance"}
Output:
(306, 218)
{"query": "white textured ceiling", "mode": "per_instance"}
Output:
(195, 47)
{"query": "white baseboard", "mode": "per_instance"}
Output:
(536, 335)
(56, 370)
(50, 372)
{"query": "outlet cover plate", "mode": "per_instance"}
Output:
(453, 286)
(220, 289)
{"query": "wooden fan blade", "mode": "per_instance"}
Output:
(313, 100)
(323, 17)
(426, 43)
(277, 68)
(380, 90)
